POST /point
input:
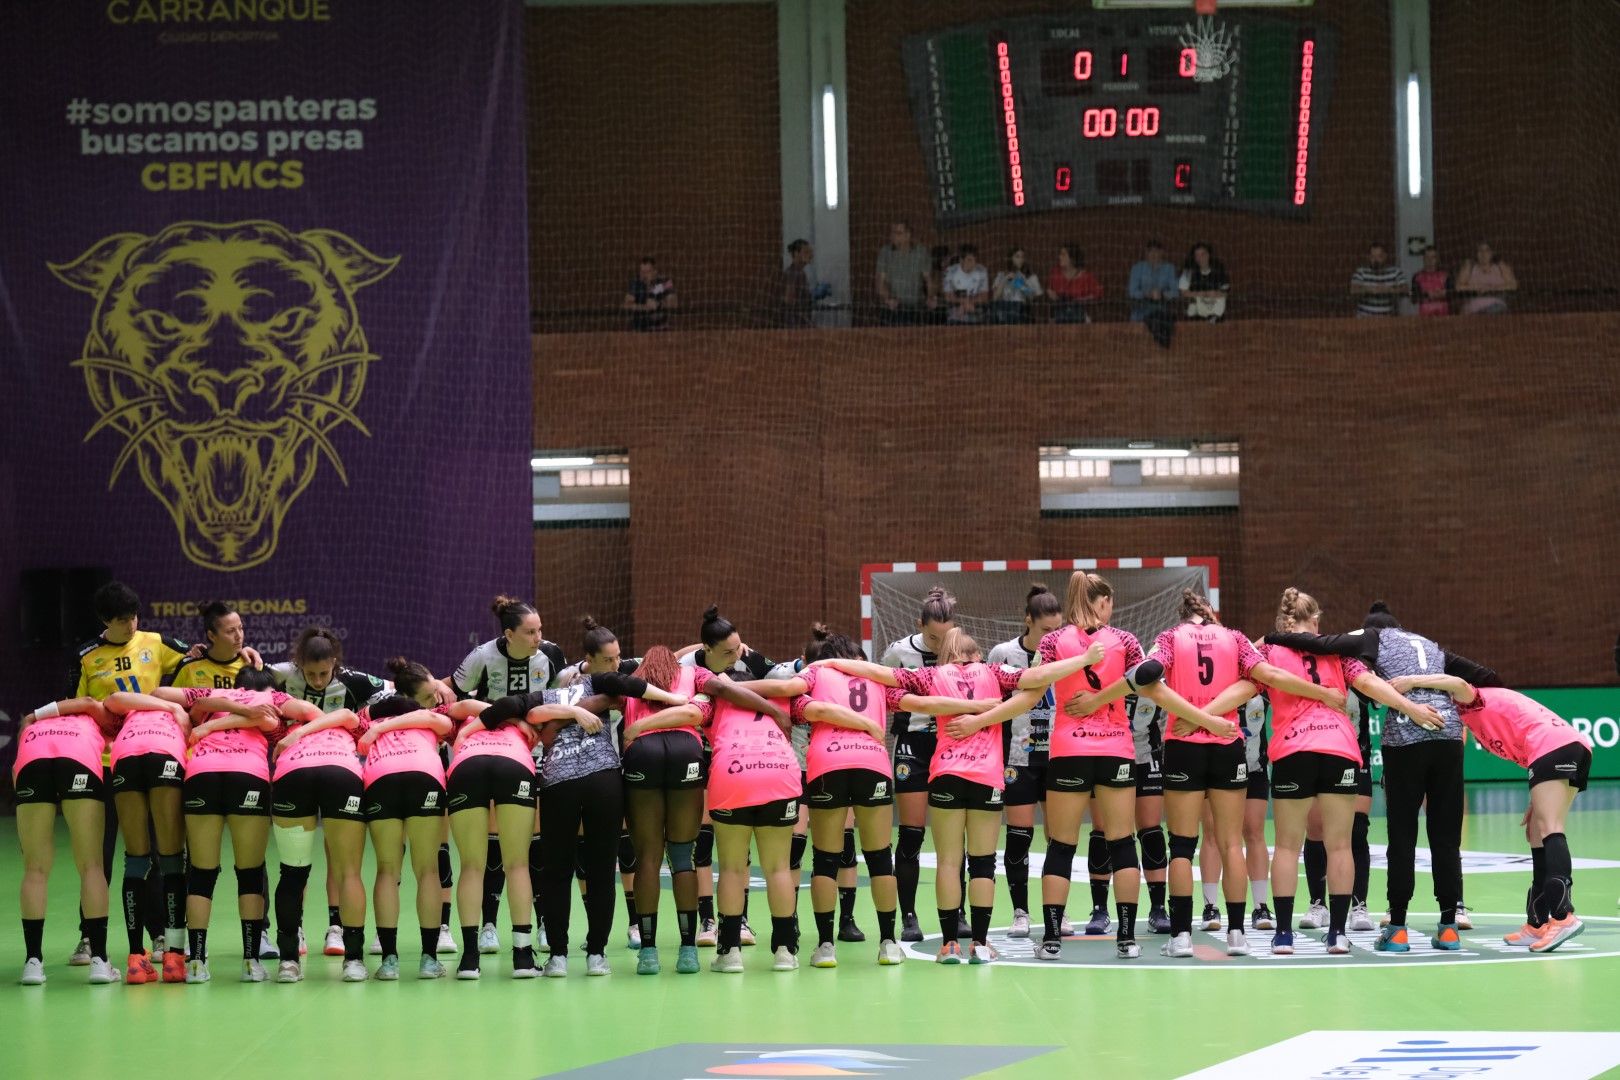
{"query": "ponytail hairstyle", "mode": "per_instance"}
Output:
(826, 645)
(716, 627)
(1081, 598)
(660, 668)
(213, 611)
(1195, 605)
(316, 645)
(959, 647)
(510, 612)
(1040, 602)
(408, 676)
(938, 606)
(252, 678)
(1296, 608)
(597, 637)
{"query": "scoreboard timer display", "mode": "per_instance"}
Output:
(1047, 113)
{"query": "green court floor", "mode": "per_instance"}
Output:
(1089, 1014)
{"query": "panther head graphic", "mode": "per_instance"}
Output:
(225, 356)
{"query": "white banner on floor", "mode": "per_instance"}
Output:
(1425, 1055)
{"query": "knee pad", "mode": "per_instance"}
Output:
(536, 846)
(171, 864)
(201, 882)
(1018, 841)
(1154, 854)
(824, 863)
(879, 862)
(1059, 859)
(703, 851)
(681, 860)
(1122, 853)
(981, 866)
(579, 866)
(627, 854)
(1183, 847)
(446, 877)
(911, 842)
(796, 851)
(846, 858)
(1146, 673)
(1096, 853)
(251, 881)
(295, 846)
(492, 855)
(137, 866)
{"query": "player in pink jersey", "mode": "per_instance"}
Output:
(1559, 759)
(59, 766)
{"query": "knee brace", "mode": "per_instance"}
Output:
(846, 858)
(1059, 860)
(171, 864)
(911, 842)
(879, 862)
(627, 853)
(446, 877)
(1096, 854)
(251, 881)
(536, 859)
(1018, 841)
(703, 851)
(796, 851)
(981, 866)
(824, 863)
(1183, 847)
(201, 881)
(681, 860)
(1122, 853)
(1154, 854)
(295, 846)
(137, 866)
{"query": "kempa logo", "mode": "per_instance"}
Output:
(191, 804)
(1070, 781)
(633, 777)
(1175, 778)
(283, 807)
(1285, 787)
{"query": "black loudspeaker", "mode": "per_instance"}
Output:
(58, 608)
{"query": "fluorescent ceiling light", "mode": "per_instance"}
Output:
(829, 144)
(540, 464)
(1414, 138)
(1128, 453)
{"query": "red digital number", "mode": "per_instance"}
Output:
(1143, 123)
(1100, 123)
(1183, 175)
(1307, 63)
(1082, 66)
(1124, 63)
(1064, 179)
(1009, 119)
(1189, 63)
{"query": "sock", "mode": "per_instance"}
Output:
(1181, 914)
(33, 939)
(1016, 862)
(1156, 891)
(1316, 870)
(96, 930)
(686, 923)
(1285, 912)
(522, 945)
(134, 912)
(1362, 855)
(430, 940)
(630, 906)
(649, 929)
(536, 874)
(1099, 895)
(1261, 888)
(706, 908)
(198, 940)
(250, 939)
(796, 848)
(1555, 889)
(388, 938)
(444, 913)
(469, 948)
(846, 904)
(730, 932)
(1397, 914)
(886, 926)
(494, 881)
(1212, 892)
(1338, 912)
(906, 866)
(824, 927)
(446, 877)
(1235, 911)
(1534, 913)
(947, 924)
(332, 916)
(1127, 921)
(1448, 916)
(784, 931)
(1052, 917)
(980, 920)
(354, 943)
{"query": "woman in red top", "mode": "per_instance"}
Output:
(1071, 287)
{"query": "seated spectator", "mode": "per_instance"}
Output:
(967, 287)
(1071, 287)
(1013, 290)
(1204, 283)
(794, 292)
(1376, 283)
(650, 297)
(1485, 279)
(903, 287)
(1152, 285)
(1431, 286)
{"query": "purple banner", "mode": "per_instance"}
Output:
(263, 315)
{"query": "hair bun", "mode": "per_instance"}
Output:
(500, 603)
(1378, 608)
(588, 623)
(819, 631)
(1036, 590)
(396, 664)
(711, 613)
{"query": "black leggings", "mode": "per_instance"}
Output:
(595, 801)
(1430, 772)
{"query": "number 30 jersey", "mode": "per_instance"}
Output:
(143, 662)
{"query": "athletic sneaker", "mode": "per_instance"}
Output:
(334, 941)
(197, 971)
(707, 934)
(1212, 917)
(890, 954)
(980, 953)
(1236, 943)
(289, 971)
(174, 967)
(489, 942)
(1463, 921)
(1359, 919)
(1556, 932)
(81, 954)
(375, 948)
(1127, 950)
(1049, 950)
(1316, 917)
(447, 943)
(1263, 918)
(1446, 939)
(686, 961)
(647, 962)
(354, 971)
(1383, 920)
(1282, 943)
(1159, 921)
(429, 968)
(848, 931)
(597, 963)
(267, 948)
(910, 929)
(632, 939)
(33, 973)
(747, 936)
(1392, 939)
(388, 970)
(556, 967)
(786, 959)
(303, 945)
(1337, 944)
(469, 974)
(1178, 947)
(1066, 927)
(1100, 922)
(139, 970)
(540, 939)
(253, 972)
(1020, 924)
(522, 969)
(949, 953)
(825, 956)
(1524, 935)
(727, 962)
(102, 972)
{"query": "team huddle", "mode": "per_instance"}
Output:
(611, 770)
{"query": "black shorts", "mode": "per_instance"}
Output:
(1080, 774)
(913, 751)
(143, 772)
(1026, 785)
(405, 795)
(1571, 763)
(235, 794)
(1308, 774)
(960, 793)
(849, 787)
(666, 761)
(1197, 766)
(780, 813)
(1364, 781)
(1150, 776)
(1259, 783)
(54, 779)
(328, 790)
(487, 779)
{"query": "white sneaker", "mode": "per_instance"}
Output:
(786, 959)
(1463, 921)
(1360, 920)
(355, 971)
(81, 954)
(469, 974)
(982, 954)
(1383, 920)
(102, 973)
(1179, 947)
(727, 962)
(447, 943)
(530, 972)
(1066, 928)
(289, 971)
(597, 964)
(267, 948)
(489, 942)
(747, 937)
(1020, 924)
(333, 945)
(303, 943)
(633, 938)
(33, 973)
(890, 953)
(197, 971)
(429, 968)
(556, 967)
(707, 935)
(1236, 943)
(825, 956)
(253, 972)
(1316, 917)
(375, 948)
(1049, 950)
(1127, 950)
